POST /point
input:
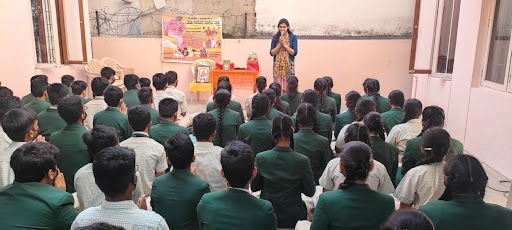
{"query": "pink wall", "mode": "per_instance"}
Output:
(349, 62)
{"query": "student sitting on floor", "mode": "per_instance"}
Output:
(432, 116)
(98, 104)
(6, 104)
(363, 107)
(233, 105)
(462, 206)
(228, 121)
(309, 143)
(168, 111)
(20, 125)
(410, 127)
(178, 95)
(30, 97)
(408, 218)
(207, 156)
(280, 181)
(78, 88)
(257, 131)
(383, 152)
(150, 155)
(49, 120)
(324, 127)
(378, 179)
(292, 96)
(326, 104)
(175, 195)
(280, 105)
(235, 208)
(115, 114)
(109, 74)
(145, 82)
(273, 112)
(220, 81)
(73, 151)
(349, 116)
(425, 182)
(330, 93)
(114, 172)
(68, 80)
(131, 82)
(160, 83)
(145, 95)
(38, 198)
(372, 88)
(396, 114)
(87, 192)
(261, 84)
(38, 89)
(350, 205)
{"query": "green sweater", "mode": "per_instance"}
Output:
(130, 98)
(49, 121)
(343, 119)
(112, 117)
(293, 101)
(392, 117)
(38, 105)
(337, 98)
(317, 148)
(233, 105)
(257, 134)
(384, 103)
(165, 129)
(230, 125)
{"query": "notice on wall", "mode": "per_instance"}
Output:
(188, 38)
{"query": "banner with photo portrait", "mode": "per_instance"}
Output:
(188, 38)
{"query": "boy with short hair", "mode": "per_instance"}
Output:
(145, 82)
(179, 96)
(67, 80)
(78, 88)
(207, 162)
(49, 120)
(38, 90)
(114, 114)
(29, 97)
(131, 82)
(396, 114)
(145, 95)
(110, 74)
(179, 188)
(160, 83)
(167, 109)
(98, 104)
(236, 208)
(6, 104)
(150, 154)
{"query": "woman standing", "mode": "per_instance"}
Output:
(284, 50)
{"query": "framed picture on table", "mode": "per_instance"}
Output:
(203, 74)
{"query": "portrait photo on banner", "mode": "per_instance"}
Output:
(188, 38)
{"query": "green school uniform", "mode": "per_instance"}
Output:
(175, 196)
(293, 101)
(231, 123)
(130, 98)
(73, 152)
(385, 153)
(27, 99)
(412, 153)
(165, 129)
(49, 121)
(272, 113)
(392, 117)
(337, 98)
(324, 125)
(233, 105)
(467, 212)
(34, 205)
(328, 107)
(38, 105)
(155, 117)
(112, 117)
(286, 107)
(70, 93)
(257, 134)
(355, 207)
(315, 147)
(343, 119)
(84, 100)
(384, 103)
(235, 209)
(283, 175)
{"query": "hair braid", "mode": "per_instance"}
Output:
(356, 159)
(260, 106)
(277, 88)
(222, 98)
(436, 143)
(432, 116)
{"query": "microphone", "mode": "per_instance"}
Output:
(282, 33)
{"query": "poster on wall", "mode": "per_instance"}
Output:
(188, 38)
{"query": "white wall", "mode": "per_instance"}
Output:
(337, 17)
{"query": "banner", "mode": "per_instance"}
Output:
(188, 38)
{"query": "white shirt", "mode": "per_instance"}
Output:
(340, 141)
(207, 165)
(158, 96)
(248, 103)
(401, 133)
(149, 156)
(6, 173)
(4, 139)
(421, 185)
(179, 96)
(378, 178)
(89, 194)
(233, 98)
(93, 107)
(122, 214)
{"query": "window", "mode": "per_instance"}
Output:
(446, 37)
(43, 31)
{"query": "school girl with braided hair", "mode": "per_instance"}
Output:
(256, 132)
(228, 121)
(410, 127)
(280, 105)
(326, 104)
(261, 84)
(372, 88)
(273, 112)
(349, 116)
